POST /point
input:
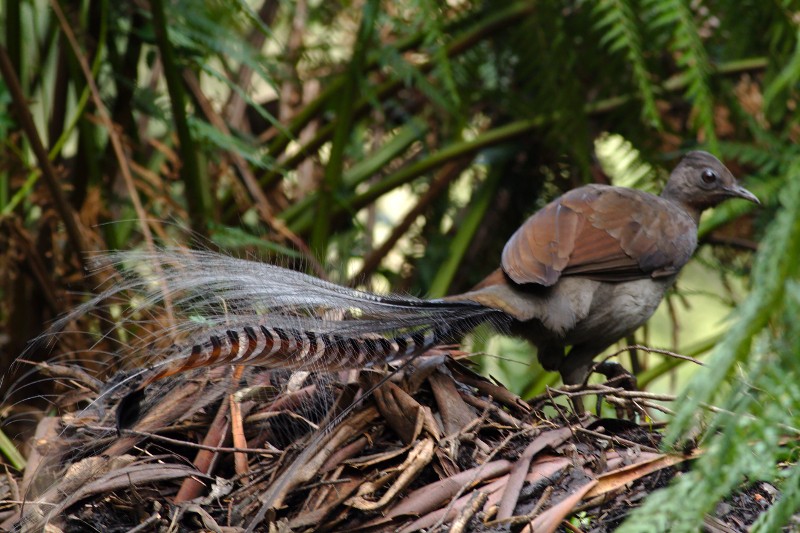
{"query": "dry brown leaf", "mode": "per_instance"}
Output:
(620, 477)
(418, 459)
(455, 413)
(546, 439)
(454, 508)
(401, 411)
(432, 496)
(543, 467)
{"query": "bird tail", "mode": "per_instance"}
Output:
(212, 309)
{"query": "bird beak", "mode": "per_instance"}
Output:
(737, 191)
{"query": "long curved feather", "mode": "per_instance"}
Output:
(208, 309)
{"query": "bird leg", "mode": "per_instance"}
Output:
(575, 369)
(620, 377)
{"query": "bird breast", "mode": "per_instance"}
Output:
(580, 310)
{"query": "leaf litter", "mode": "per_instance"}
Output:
(433, 446)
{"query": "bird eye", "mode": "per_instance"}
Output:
(709, 176)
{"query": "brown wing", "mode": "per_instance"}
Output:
(601, 232)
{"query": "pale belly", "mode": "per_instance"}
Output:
(608, 311)
(575, 310)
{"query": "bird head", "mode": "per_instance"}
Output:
(701, 181)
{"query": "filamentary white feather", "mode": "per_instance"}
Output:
(186, 296)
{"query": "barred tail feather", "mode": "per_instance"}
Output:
(294, 349)
(214, 310)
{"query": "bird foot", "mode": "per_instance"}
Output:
(577, 376)
(618, 376)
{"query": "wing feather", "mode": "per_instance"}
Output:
(601, 232)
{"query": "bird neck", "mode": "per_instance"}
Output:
(690, 209)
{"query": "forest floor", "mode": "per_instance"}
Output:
(434, 447)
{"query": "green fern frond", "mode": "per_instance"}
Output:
(204, 132)
(690, 55)
(435, 39)
(765, 158)
(208, 29)
(623, 163)
(412, 76)
(245, 95)
(777, 263)
(621, 35)
(744, 439)
(786, 78)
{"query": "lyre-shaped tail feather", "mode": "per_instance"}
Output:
(308, 348)
(225, 310)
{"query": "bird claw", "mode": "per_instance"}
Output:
(617, 376)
